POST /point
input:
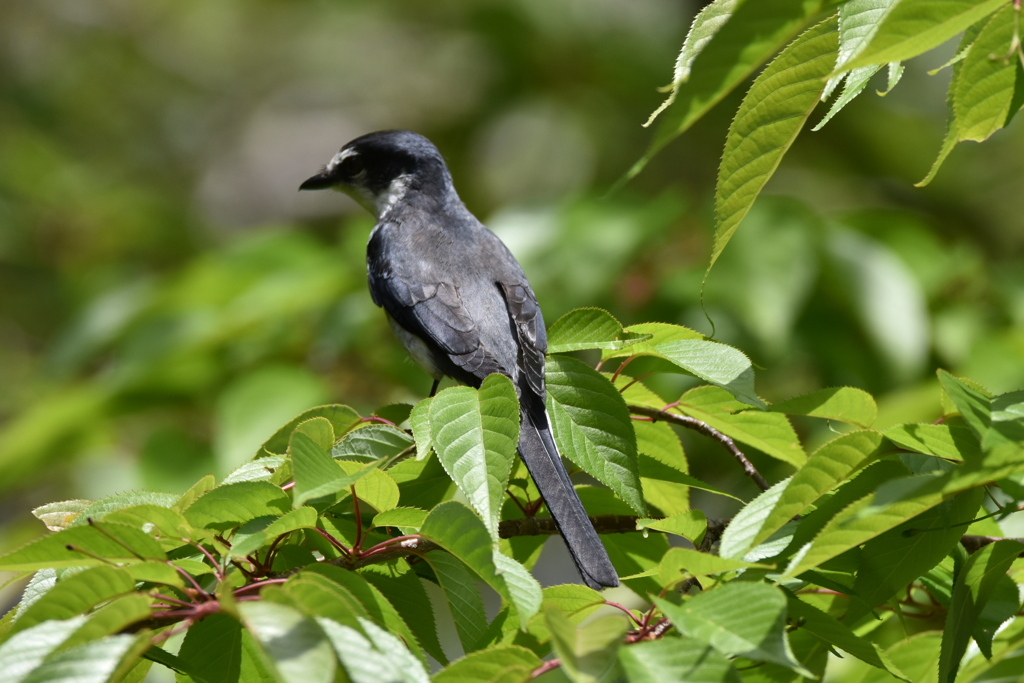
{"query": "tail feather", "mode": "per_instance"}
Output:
(538, 451)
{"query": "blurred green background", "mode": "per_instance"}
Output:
(168, 299)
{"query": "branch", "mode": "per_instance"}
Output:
(973, 544)
(707, 430)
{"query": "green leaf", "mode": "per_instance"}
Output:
(675, 660)
(827, 467)
(592, 427)
(319, 429)
(974, 407)
(341, 417)
(74, 594)
(768, 121)
(916, 26)
(165, 523)
(946, 441)
(491, 666)
(663, 467)
(891, 561)
(319, 596)
(23, 652)
(57, 516)
(258, 469)
(455, 528)
(316, 473)
(738, 618)
(718, 364)
(259, 532)
(113, 617)
(587, 653)
(94, 662)
(231, 505)
(380, 659)
(475, 435)
(372, 442)
(464, 602)
(212, 650)
(971, 591)
(377, 606)
(691, 525)
(755, 32)
(770, 433)
(404, 590)
(705, 25)
(589, 328)
(408, 520)
(855, 82)
(419, 420)
(680, 563)
(99, 509)
(297, 647)
(838, 634)
(52, 551)
(845, 404)
(205, 484)
(373, 487)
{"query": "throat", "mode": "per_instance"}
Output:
(389, 197)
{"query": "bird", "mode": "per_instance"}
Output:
(460, 303)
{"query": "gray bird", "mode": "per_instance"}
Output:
(459, 302)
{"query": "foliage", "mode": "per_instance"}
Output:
(316, 561)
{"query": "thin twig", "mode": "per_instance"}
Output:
(545, 667)
(707, 430)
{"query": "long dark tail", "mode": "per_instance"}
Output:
(538, 451)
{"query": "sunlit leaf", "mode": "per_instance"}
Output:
(491, 666)
(294, 644)
(675, 660)
(589, 328)
(233, 504)
(846, 404)
(586, 652)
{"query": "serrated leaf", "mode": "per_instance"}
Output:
(589, 328)
(407, 519)
(374, 602)
(678, 563)
(756, 31)
(490, 666)
(113, 617)
(718, 364)
(316, 473)
(845, 404)
(913, 27)
(768, 432)
(464, 602)
(475, 435)
(57, 516)
(93, 662)
(319, 429)
(827, 467)
(949, 442)
(165, 523)
(855, 82)
(100, 508)
(257, 469)
(23, 652)
(858, 23)
(739, 618)
(455, 527)
(768, 121)
(380, 659)
(234, 504)
(259, 532)
(834, 632)
(675, 660)
(662, 486)
(419, 421)
(404, 590)
(212, 650)
(52, 551)
(691, 525)
(587, 653)
(319, 596)
(374, 487)
(372, 442)
(74, 594)
(592, 427)
(341, 417)
(893, 560)
(974, 407)
(195, 491)
(296, 645)
(975, 583)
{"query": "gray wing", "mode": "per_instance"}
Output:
(529, 324)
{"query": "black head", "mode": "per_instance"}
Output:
(378, 168)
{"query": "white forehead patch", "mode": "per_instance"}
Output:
(339, 157)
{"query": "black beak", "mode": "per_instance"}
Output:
(321, 181)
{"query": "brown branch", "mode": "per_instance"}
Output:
(972, 543)
(707, 430)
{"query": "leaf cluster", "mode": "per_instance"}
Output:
(311, 562)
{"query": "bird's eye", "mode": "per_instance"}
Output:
(351, 166)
